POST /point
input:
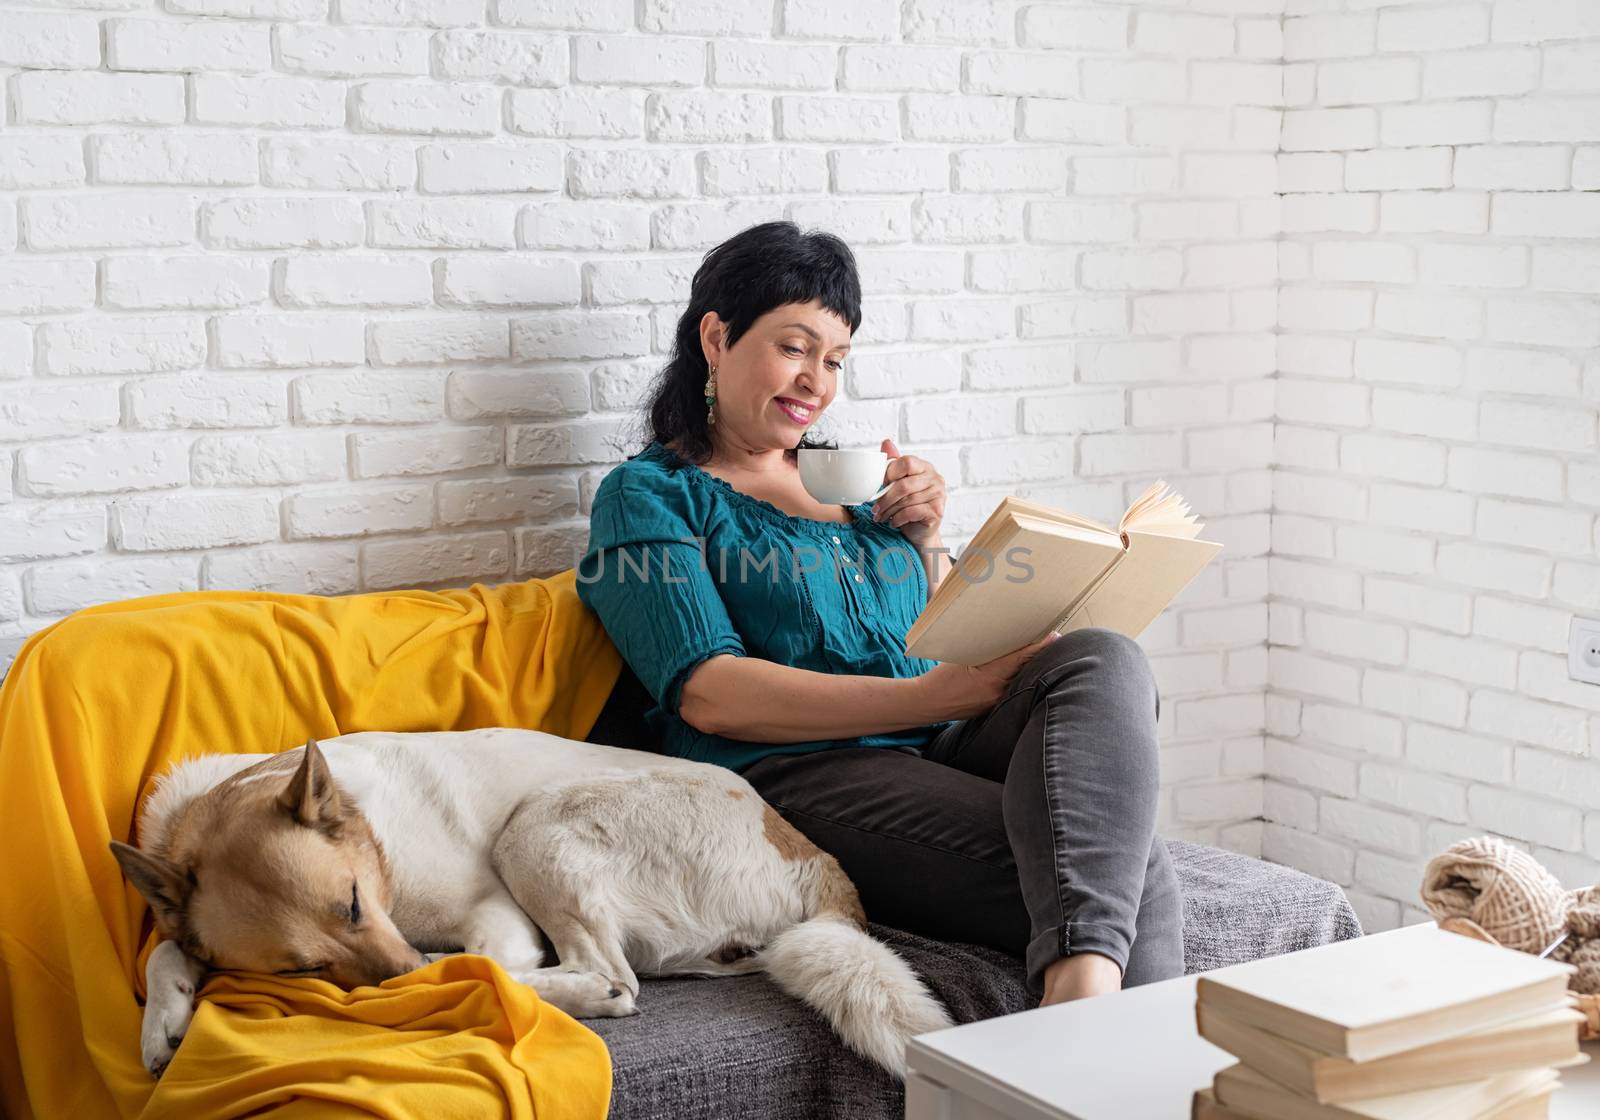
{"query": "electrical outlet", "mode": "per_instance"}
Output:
(1583, 650)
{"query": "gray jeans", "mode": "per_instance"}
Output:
(1030, 828)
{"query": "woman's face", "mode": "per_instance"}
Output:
(780, 375)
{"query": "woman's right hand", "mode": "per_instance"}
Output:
(963, 691)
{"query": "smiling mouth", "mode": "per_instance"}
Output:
(794, 410)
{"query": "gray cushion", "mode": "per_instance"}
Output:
(739, 1047)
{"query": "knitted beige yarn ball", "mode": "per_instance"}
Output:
(1501, 888)
(1583, 947)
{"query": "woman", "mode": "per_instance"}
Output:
(1011, 804)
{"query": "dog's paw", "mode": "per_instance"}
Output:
(620, 1001)
(172, 978)
(597, 997)
(166, 1021)
(583, 995)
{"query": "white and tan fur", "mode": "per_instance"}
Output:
(627, 863)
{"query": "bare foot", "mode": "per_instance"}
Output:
(1080, 976)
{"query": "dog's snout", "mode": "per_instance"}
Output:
(401, 963)
(372, 969)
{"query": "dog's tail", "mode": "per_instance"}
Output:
(869, 994)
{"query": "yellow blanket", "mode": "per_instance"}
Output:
(98, 704)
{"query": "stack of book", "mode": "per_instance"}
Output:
(1417, 1025)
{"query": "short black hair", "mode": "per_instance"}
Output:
(760, 268)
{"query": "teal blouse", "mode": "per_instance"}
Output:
(682, 566)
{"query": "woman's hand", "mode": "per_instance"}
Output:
(964, 691)
(914, 502)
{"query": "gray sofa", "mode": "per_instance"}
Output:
(741, 1048)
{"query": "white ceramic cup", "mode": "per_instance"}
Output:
(843, 478)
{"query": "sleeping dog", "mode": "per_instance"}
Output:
(351, 861)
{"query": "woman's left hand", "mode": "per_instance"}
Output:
(914, 502)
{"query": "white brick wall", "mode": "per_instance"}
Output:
(1438, 395)
(341, 298)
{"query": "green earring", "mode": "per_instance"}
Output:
(711, 396)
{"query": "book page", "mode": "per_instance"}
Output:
(1156, 568)
(1159, 510)
(1013, 605)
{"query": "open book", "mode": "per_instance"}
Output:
(1032, 569)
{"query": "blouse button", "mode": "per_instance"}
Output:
(836, 539)
(858, 577)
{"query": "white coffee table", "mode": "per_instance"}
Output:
(1133, 1055)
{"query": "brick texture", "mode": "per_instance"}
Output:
(1461, 491)
(338, 299)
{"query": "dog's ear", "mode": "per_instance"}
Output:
(165, 885)
(311, 797)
